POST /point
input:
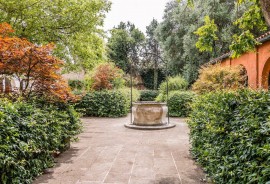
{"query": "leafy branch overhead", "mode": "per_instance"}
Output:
(207, 35)
(73, 25)
(255, 19)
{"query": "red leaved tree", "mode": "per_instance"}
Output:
(106, 76)
(34, 66)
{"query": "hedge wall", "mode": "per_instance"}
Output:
(179, 103)
(111, 103)
(30, 134)
(230, 135)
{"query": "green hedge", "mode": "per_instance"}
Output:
(230, 135)
(179, 103)
(148, 95)
(112, 103)
(30, 134)
(76, 84)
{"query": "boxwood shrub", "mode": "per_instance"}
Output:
(230, 136)
(148, 95)
(30, 134)
(179, 103)
(106, 103)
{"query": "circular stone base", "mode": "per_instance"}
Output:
(160, 127)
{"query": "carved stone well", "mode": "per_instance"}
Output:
(149, 115)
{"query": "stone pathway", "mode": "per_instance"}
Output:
(107, 152)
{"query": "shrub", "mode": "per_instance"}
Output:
(217, 77)
(29, 134)
(230, 136)
(148, 95)
(112, 103)
(76, 84)
(127, 93)
(106, 76)
(179, 103)
(174, 84)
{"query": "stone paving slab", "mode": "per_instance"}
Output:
(107, 152)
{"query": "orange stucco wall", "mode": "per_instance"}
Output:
(257, 64)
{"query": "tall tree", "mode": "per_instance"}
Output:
(255, 19)
(124, 45)
(152, 52)
(176, 33)
(73, 25)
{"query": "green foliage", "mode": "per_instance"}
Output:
(230, 136)
(76, 84)
(124, 45)
(148, 95)
(178, 98)
(177, 83)
(153, 58)
(250, 23)
(148, 77)
(178, 41)
(207, 35)
(242, 43)
(73, 25)
(252, 19)
(106, 103)
(179, 103)
(127, 93)
(30, 134)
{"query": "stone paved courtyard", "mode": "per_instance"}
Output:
(107, 152)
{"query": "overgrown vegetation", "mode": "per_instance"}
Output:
(30, 134)
(230, 135)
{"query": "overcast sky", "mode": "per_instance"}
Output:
(139, 12)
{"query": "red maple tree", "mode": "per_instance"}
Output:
(34, 66)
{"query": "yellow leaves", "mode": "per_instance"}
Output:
(207, 35)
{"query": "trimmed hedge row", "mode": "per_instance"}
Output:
(148, 95)
(109, 103)
(179, 103)
(30, 134)
(230, 136)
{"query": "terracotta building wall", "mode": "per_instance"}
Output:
(257, 64)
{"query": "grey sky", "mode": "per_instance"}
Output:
(139, 12)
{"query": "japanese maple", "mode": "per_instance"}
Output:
(34, 66)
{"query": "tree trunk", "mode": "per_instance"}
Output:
(265, 5)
